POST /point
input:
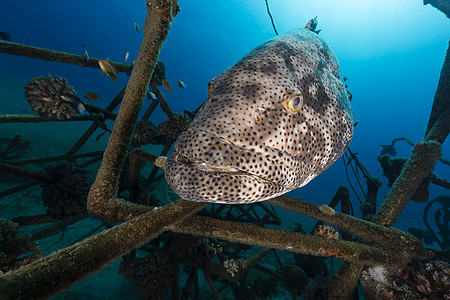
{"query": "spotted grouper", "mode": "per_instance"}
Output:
(272, 122)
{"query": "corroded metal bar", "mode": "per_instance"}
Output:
(61, 269)
(102, 201)
(116, 101)
(389, 237)
(36, 118)
(284, 240)
(163, 103)
(58, 56)
(55, 158)
(19, 172)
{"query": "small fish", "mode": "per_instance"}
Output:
(108, 69)
(74, 101)
(151, 95)
(92, 96)
(126, 56)
(167, 85)
(5, 36)
(181, 84)
(86, 56)
(136, 26)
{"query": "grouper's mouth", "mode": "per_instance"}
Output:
(204, 167)
(196, 180)
(207, 168)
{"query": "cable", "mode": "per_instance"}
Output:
(271, 19)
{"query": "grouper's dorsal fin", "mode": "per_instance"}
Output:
(312, 25)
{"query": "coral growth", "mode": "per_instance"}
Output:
(153, 273)
(144, 132)
(430, 281)
(172, 129)
(419, 280)
(52, 98)
(13, 245)
(375, 283)
(233, 265)
(326, 232)
(67, 195)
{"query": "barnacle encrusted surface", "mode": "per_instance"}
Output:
(13, 245)
(172, 129)
(67, 195)
(51, 97)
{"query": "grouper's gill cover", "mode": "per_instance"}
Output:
(272, 122)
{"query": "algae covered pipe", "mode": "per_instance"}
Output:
(102, 201)
(59, 270)
(58, 56)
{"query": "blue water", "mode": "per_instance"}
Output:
(391, 51)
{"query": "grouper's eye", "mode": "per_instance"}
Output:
(293, 100)
(295, 103)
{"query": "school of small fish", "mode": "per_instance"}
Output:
(272, 122)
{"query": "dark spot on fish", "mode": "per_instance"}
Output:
(287, 53)
(250, 90)
(269, 67)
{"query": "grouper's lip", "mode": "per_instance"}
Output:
(222, 157)
(204, 167)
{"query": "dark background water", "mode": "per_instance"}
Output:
(391, 51)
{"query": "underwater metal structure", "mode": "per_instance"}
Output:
(380, 245)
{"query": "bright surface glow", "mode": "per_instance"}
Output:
(368, 28)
